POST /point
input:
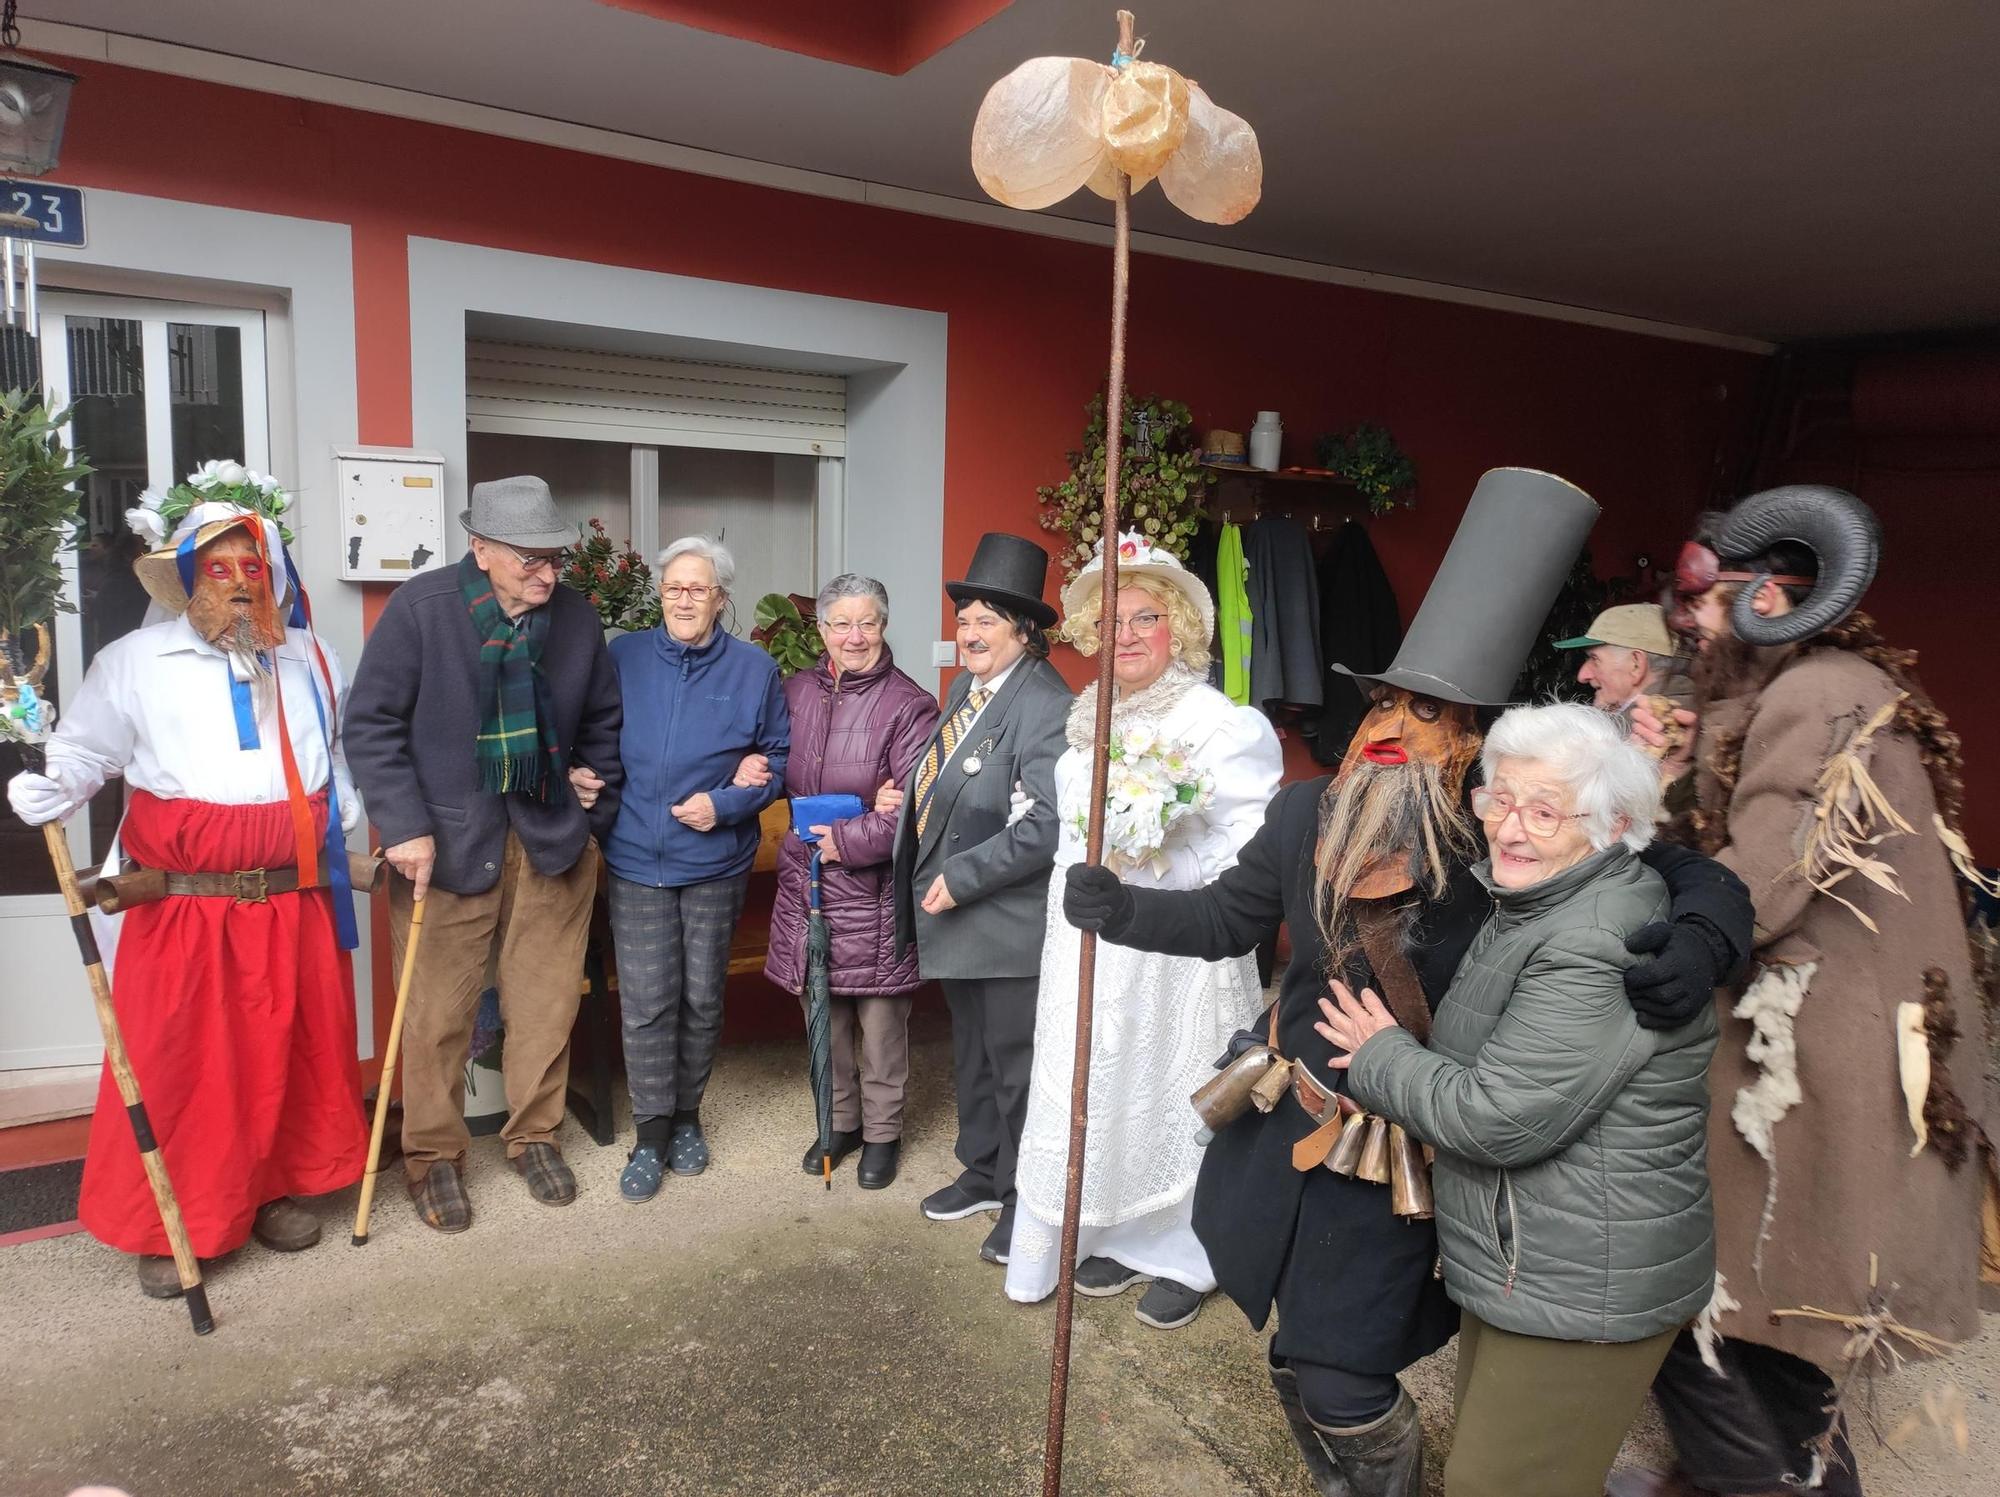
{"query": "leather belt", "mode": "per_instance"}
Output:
(1316, 1101)
(246, 886)
(132, 885)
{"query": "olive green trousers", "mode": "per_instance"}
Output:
(1541, 1418)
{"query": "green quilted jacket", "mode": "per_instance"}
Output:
(1572, 1166)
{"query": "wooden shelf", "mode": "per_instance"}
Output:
(1281, 475)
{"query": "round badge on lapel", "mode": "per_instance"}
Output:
(971, 764)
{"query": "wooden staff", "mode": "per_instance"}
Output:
(1100, 766)
(185, 1262)
(388, 1071)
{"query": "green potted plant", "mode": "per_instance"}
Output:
(1163, 487)
(615, 578)
(38, 508)
(788, 629)
(1368, 457)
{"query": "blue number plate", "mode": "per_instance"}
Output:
(57, 211)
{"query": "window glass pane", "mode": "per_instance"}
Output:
(205, 365)
(24, 862)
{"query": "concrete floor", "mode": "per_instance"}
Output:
(744, 1332)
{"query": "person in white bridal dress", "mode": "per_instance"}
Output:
(1160, 1021)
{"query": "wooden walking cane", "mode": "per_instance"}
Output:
(185, 1262)
(388, 1072)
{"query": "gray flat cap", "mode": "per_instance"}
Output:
(519, 511)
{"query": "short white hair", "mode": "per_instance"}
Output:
(713, 552)
(1606, 775)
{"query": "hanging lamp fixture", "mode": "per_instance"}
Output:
(34, 101)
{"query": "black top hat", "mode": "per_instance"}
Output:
(1008, 570)
(1515, 544)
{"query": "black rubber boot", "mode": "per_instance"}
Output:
(1383, 1459)
(1326, 1476)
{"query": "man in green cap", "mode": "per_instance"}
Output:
(1628, 655)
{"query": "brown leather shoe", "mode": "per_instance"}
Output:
(158, 1278)
(440, 1198)
(284, 1226)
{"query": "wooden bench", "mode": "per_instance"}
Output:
(598, 1017)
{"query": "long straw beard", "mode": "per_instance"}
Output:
(1377, 814)
(251, 663)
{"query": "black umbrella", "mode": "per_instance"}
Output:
(819, 1038)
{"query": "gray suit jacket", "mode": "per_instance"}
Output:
(998, 874)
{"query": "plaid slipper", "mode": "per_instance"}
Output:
(549, 1179)
(440, 1198)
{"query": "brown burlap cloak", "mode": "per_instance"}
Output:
(1798, 1230)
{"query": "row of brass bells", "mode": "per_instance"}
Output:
(1374, 1149)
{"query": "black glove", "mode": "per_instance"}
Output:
(1095, 898)
(1691, 959)
(1243, 1039)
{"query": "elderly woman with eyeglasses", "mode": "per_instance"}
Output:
(698, 702)
(1571, 1178)
(858, 727)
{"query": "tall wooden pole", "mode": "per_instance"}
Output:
(185, 1262)
(1086, 973)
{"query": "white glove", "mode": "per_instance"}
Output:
(350, 810)
(1019, 804)
(36, 798)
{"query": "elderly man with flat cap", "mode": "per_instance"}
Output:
(483, 731)
(972, 878)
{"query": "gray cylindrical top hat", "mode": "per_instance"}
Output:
(518, 512)
(1515, 545)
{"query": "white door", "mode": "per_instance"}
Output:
(159, 388)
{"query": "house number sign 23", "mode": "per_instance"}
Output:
(57, 212)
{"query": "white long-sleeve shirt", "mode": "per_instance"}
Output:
(155, 707)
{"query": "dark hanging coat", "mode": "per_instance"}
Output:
(1358, 628)
(1353, 1284)
(1284, 615)
(848, 736)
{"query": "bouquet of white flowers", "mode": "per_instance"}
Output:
(1151, 786)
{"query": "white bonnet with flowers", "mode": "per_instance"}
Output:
(1138, 557)
(176, 521)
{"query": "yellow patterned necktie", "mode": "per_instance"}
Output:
(940, 751)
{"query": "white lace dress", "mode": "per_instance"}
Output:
(1160, 1021)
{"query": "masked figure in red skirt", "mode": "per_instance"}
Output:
(235, 990)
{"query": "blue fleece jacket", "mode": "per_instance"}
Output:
(691, 714)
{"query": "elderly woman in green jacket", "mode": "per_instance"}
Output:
(1571, 1177)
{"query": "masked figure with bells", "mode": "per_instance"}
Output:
(1304, 1203)
(235, 989)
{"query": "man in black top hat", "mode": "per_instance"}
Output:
(971, 887)
(1371, 869)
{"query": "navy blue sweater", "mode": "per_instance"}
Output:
(691, 714)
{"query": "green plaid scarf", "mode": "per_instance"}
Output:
(516, 750)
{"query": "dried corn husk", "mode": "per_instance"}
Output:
(1852, 817)
(1038, 136)
(1913, 1052)
(1218, 173)
(1145, 118)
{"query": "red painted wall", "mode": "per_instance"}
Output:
(1644, 424)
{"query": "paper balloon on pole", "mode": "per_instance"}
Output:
(1053, 125)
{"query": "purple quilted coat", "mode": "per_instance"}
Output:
(849, 737)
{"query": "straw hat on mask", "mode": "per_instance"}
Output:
(159, 570)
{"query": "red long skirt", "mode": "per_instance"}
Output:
(239, 1020)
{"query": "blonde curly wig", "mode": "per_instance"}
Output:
(1184, 620)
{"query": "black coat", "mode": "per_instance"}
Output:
(1355, 1286)
(1358, 628)
(412, 718)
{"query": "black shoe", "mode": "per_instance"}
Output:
(877, 1170)
(843, 1145)
(1103, 1278)
(957, 1201)
(1000, 1239)
(1168, 1305)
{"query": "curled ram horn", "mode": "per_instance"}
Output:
(1836, 527)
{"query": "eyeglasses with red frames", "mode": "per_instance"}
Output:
(1537, 819)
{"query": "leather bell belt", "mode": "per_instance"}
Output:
(1362, 1146)
(132, 886)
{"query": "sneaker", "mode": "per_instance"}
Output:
(877, 1170)
(439, 1195)
(549, 1179)
(1168, 1305)
(687, 1150)
(1105, 1278)
(843, 1145)
(1000, 1239)
(284, 1226)
(957, 1201)
(644, 1169)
